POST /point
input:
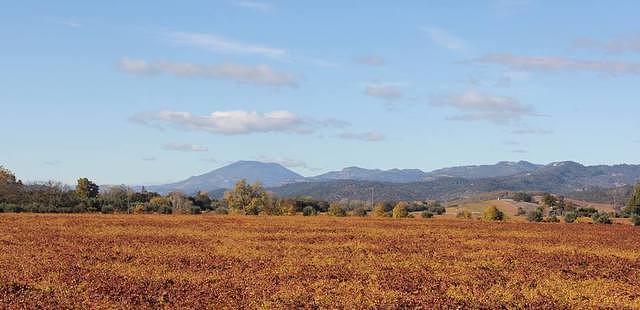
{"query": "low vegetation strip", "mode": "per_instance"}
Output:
(217, 261)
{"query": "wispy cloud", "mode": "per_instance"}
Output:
(621, 44)
(70, 24)
(477, 106)
(384, 91)
(54, 162)
(370, 60)
(531, 131)
(520, 151)
(445, 39)
(185, 147)
(370, 136)
(250, 74)
(558, 64)
(253, 5)
(236, 122)
(218, 43)
(149, 159)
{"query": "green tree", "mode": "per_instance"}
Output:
(601, 218)
(492, 213)
(202, 200)
(570, 217)
(309, 211)
(535, 215)
(400, 210)
(85, 189)
(633, 204)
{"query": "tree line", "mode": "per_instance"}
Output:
(244, 198)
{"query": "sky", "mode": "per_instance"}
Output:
(146, 92)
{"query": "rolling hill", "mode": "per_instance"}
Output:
(568, 178)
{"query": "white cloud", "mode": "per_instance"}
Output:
(235, 122)
(185, 147)
(370, 60)
(149, 159)
(445, 39)
(558, 64)
(253, 74)
(253, 5)
(218, 43)
(384, 91)
(370, 136)
(476, 106)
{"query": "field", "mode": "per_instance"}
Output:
(207, 261)
(509, 207)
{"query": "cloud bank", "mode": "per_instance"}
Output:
(477, 106)
(235, 122)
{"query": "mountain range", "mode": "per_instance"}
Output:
(411, 184)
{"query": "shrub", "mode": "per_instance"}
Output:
(106, 209)
(336, 210)
(464, 214)
(359, 212)
(195, 210)
(535, 215)
(400, 210)
(427, 214)
(570, 217)
(309, 211)
(492, 213)
(165, 209)
(601, 218)
(436, 208)
(520, 211)
(552, 219)
(586, 212)
(635, 220)
(221, 210)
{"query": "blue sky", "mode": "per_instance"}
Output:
(155, 91)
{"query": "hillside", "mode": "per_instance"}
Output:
(500, 169)
(561, 178)
(361, 174)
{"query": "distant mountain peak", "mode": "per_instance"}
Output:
(269, 174)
